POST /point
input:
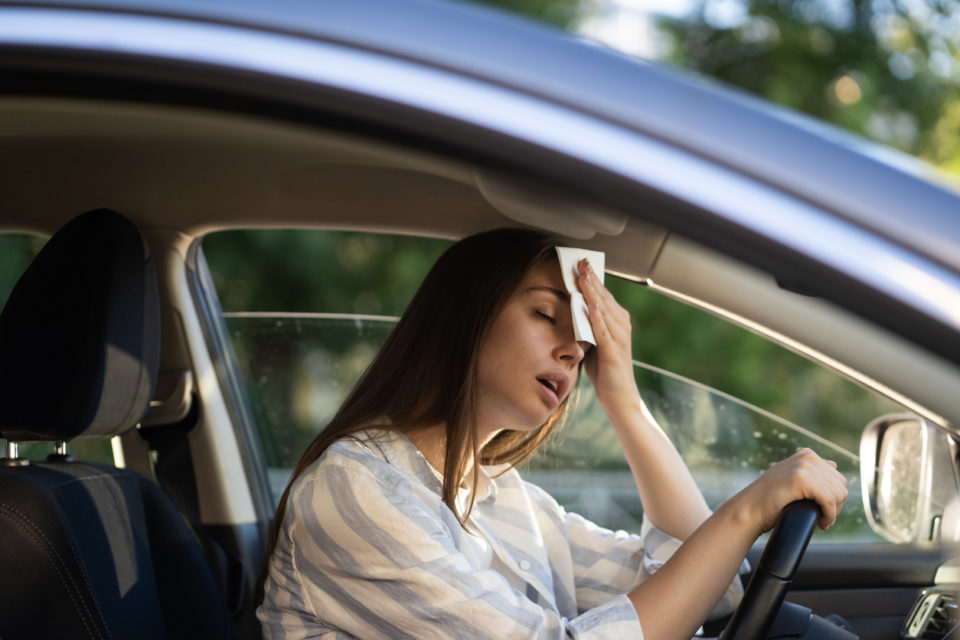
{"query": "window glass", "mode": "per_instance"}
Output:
(306, 311)
(731, 401)
(17, 251)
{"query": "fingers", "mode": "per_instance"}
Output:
(595, 289)
(819, 480)
(804, 475)
(607, 317)
(588, 283)
(610, 364)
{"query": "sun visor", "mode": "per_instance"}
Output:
(548, 209)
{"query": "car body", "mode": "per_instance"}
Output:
(193, 118)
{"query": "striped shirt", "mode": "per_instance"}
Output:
(369, 550)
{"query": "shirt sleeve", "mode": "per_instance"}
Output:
(608, 563)
(366, 557)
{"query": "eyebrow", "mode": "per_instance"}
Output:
(562, 295)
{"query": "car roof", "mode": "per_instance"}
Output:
(876, 188)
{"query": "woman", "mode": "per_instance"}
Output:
(405, 518)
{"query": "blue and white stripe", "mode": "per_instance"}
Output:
(369, 550)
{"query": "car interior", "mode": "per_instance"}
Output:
(170, 536)
(107, 551)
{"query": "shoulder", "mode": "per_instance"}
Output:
(360, 487)
(359, 460)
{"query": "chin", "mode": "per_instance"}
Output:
(543, 418)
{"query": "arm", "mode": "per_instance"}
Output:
(699, 572)
(670, 497)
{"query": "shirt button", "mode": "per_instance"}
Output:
(525, 565)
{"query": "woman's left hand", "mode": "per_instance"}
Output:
(610, 364)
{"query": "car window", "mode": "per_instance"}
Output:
(17, 251)
(307, 310)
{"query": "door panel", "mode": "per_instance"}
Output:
(871, 586)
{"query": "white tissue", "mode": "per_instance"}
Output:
(569, 257)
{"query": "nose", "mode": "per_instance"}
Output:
(572, 352)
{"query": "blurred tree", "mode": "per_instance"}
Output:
(885, 69)
(562, 13)
(318, 271)
(361, 273)
(297, 370)
(16, 253)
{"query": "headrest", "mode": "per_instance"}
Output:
(80, 334)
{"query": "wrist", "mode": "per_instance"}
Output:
(625, 407)
(743, 514)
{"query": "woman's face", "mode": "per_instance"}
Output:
(528, 361)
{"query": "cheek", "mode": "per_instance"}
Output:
(507, 337)
(516, 342)
(496, 352)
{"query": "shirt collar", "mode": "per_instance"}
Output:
(397, 449)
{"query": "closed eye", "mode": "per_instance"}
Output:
(547, 317)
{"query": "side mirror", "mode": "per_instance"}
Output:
(908, 472)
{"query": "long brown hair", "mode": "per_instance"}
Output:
(426, 371)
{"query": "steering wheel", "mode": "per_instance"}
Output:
(771, 579)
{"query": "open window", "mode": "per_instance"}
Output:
(306, 310)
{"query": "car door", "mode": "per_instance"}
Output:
(593, 145)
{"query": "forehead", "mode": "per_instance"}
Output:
(543, 280)
(547, 273)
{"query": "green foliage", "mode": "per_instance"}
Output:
(561, 13)
(16, 253)
(884, 69)
(694, 344)
(297, 370)
(345, 272)
(875, 68)
(340, 272)
(318, 271)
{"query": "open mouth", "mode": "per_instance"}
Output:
(550, 384)
(553, 386)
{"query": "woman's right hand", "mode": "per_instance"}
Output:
(804, 475)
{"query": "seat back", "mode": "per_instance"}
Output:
(89, 550)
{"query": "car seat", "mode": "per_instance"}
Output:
(89, 550)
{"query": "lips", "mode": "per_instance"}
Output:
(555, 385)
